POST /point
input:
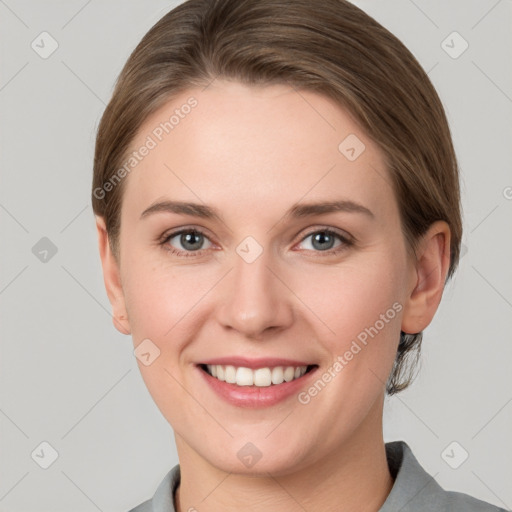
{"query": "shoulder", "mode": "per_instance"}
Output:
(458, 501)
(163, 499)
(415, 490)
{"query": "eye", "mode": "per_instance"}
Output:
(186, 242)
(326, 240)
(192, 242)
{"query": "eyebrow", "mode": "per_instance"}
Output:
(295, 212)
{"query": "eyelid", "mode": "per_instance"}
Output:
(171, 233)
(339, 232)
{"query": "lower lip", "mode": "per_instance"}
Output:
(255, 396)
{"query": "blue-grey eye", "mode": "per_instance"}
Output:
(323, 240)
(189, 240)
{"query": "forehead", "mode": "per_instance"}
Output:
(242, 147)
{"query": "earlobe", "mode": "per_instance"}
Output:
(112, 279)
(427, 278)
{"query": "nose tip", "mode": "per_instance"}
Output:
(252, 323)
(254, 301)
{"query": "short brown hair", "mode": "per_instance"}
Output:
(327, 46)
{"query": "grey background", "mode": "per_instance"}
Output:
(68, 378)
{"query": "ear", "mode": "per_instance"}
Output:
(428, 277)
(112, 279)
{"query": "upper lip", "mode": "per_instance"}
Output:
(261, 362)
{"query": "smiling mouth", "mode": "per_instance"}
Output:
(258, 377)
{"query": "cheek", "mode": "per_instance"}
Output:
(348, 299)
(359, 314)
(159, 299)
(359, 309)
(162, 304)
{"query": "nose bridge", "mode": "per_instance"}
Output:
(254, 299)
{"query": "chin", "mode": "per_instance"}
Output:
(257, 459)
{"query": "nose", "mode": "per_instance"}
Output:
(255, 301)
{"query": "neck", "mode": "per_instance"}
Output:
(355, 476)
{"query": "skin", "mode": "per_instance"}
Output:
(252, 153)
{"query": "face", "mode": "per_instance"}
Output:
(255, 234)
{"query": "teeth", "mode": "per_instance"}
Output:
(277, 375)
(289, 373)
(261, 377)
(230, 374)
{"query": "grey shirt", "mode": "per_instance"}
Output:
(414, 490)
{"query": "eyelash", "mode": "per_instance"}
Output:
(346, 242)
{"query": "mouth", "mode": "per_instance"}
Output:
(260, 377)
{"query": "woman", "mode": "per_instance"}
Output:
(278, 211)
